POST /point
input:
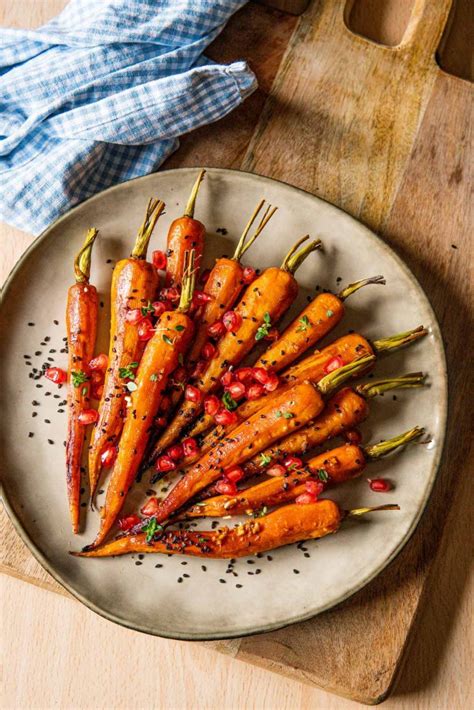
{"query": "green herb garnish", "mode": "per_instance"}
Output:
(305, 324)
(78, 378)
(329, 313)
(127, 373)
(264, 460)
(147, 310)
(179, 328)
(154, 377)
(260, 513)
(167, 340)
(288, 415)
(84, 391)
(152, 526)
(322, 475)
(229, 402)
(264, 329)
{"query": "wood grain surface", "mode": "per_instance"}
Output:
(384, 133)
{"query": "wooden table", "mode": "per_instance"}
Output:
(327, 117)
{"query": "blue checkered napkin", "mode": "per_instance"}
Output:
(101, 94)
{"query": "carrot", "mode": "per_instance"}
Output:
(343, 351)
(286, 525)
(185, 234)
(173, 333)
(134, 284)
(331, 467)
(262, 303)
(81, 329)
(287, 413)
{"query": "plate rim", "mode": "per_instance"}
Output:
(273, 626)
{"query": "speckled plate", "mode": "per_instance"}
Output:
(183, 597)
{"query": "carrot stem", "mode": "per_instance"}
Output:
(243, 245)
(154, 209)
(376, 451)
(357, 512)
(188, 283)
(352, 288)
(191, 204)
(82, 262)
(295, 257)
(337, 377)
(399, 341)
(372, 389)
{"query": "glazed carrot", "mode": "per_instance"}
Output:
(263, 302)
(173, 333)
(329, 468)
(286, 525)
(81, 329)
(185, 234)
(134, 284)
(343, 351)
(287, 413)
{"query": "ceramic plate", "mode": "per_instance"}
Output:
(187, 598)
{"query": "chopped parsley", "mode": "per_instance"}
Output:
(84, 391)
(154, 377)
(147, 310)
(260, 513)
(167, 340)
(229, 402)
(265, 459)
(264, 329)
(305, 324)
(179, 328)
(78, 378)
(288, 415)
(323, 476)
(152, 526)
(127, 373)
(329, 313)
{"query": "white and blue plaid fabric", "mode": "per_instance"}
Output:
(101, 94)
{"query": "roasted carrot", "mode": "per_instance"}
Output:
(286, 525)
(185, 234)
(81, 329)
(341, 352)
(287, 413)
(173, 333)
(134, 284)
(329, 468)
(262, 303)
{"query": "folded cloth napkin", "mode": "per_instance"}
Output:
(100, 95)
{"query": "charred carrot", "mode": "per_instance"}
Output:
(262, 303)
(343, 351)
(81, 329)
(329, 468)
(286, 525)
(185, 234)
(134, 284)
(171, 338)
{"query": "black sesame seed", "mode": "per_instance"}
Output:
(138, 562)
(239, 586)
(222, 581)
(179, 580)
(204, 568)
(296, 571)
(158, 566)
(30, 434)
(50, 441)
(30, 324)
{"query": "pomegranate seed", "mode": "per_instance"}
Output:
(273, 382)
(225, 418)
(160, 307)
(261, 375)
(96, 378)
(88, 416)
(170, 294)
(108, 456)
(151, 507)
(305, 499)
(232, 321)
(380, 485)
(200, 369)
(134, 316)
(333, 364)
(190, 446)
(160, 421)
(216, 330)
(192, 394)
(202, 297)
(249, 275)
(227, 378)
(353, 436)
(96, 392)
(208, 351)
(159, 260)
(314, 487)
(226, 487)
(165, 404)
(292, 462)
(99, 362)
(145, 330)
(272, 335)
(212, 405)
(244, 374)
(236, 389)
(165, 463)
(204, 276)
(56, 375)
(129, 522)
(176, 452)
(276, 470)
(234, 474)
(255, 391)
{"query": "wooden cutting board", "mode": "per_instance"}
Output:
(382, 132)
